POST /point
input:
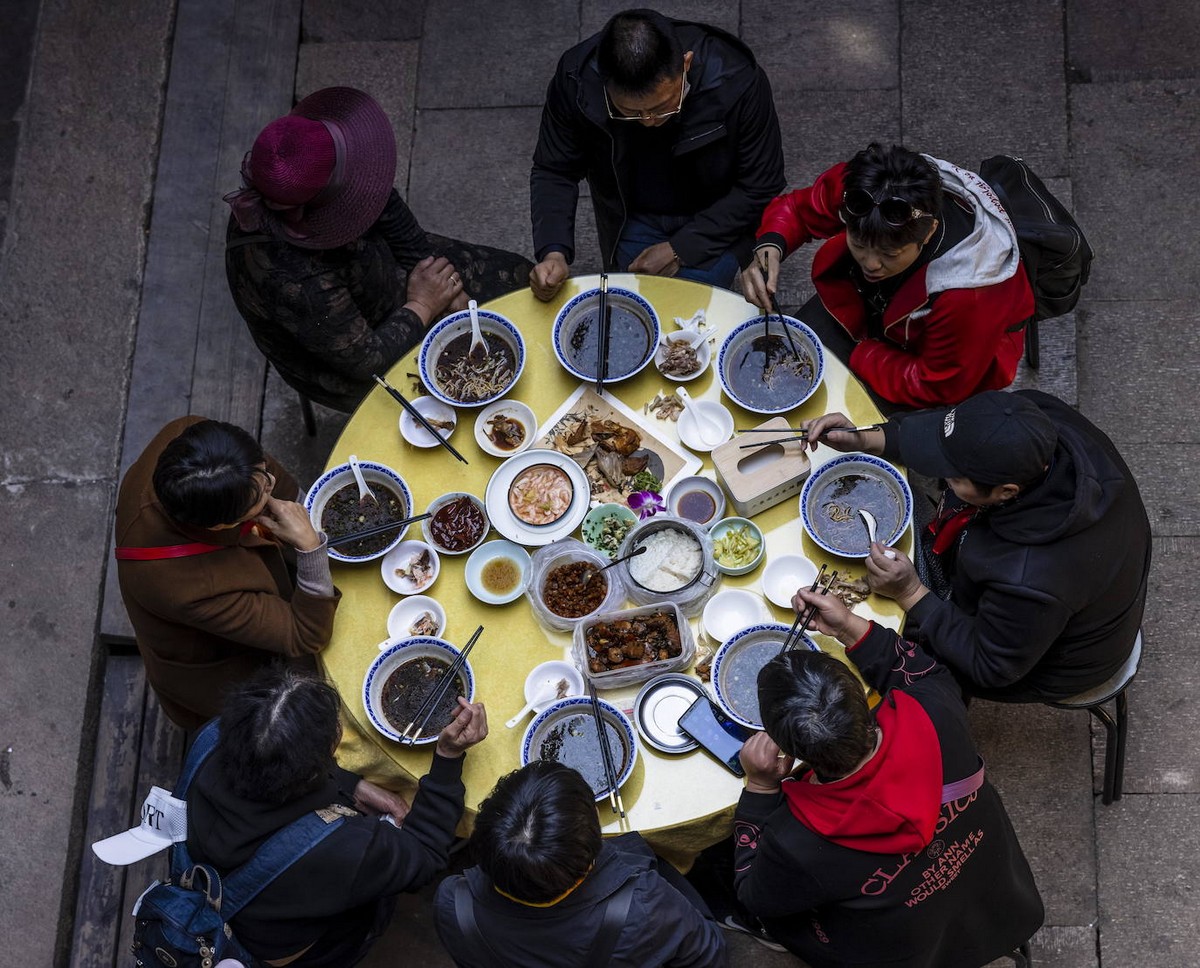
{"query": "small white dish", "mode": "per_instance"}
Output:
(679, 503)
(408, 610)
(785, 574)
(542, 687)
(731, 610)
(689, 433)
(697, 341)
(483, 556)
(514, 410)
(430, 409)
(399, 558)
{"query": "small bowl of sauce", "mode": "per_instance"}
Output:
(696, 499)
(497, 572)
(458, 525)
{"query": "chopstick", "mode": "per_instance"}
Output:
(433, 700)
(377, 530)
(809, 614)
(602, 336)
(796, 624)
(787, 330)
(610, 771)
(417, 416)
(803, 435)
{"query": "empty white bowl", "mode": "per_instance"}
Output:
(732, 610)
(689, 433)
(785, 574)
(430, 409)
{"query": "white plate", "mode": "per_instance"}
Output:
(783, 575)
(399, 557)
(487, 552)
(514, 410)
(509, 525)
(408, 610)
(430, 409)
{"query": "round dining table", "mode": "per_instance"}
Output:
(681, 803)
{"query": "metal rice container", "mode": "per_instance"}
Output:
(694, 589)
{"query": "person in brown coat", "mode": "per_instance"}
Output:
(221, 571)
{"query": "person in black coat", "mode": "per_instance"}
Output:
(674, 127)
(540, 895)
(888, 845)
(1041, 536)
(273, 763)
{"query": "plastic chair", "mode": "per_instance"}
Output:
(1093, 701)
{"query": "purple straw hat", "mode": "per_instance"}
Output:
(320, 176)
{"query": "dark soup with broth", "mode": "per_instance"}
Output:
(343, 514)
(837, 503)
(573, 742)
(409, 686)
(767, 374)
(628, 342)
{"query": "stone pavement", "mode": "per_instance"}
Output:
(1101, 96)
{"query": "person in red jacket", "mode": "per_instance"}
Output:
(920, 287)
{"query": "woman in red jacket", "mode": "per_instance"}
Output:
(921, 269)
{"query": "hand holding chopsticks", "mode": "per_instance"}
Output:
(804, 619)
(610, 771)
(433, 699)
(377, 530)
(803, 434)
(417, 416)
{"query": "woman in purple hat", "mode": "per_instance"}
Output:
(328, 266)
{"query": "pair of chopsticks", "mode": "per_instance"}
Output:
(787, 330)
(803, 435)
(427, 708)
(417, 416)
(800, 627)
(610, 770)
(602, 336)
(377, 530)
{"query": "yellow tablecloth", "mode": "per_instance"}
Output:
(680, 803)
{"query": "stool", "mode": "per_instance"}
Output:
(1093, 701)
(1022, 957)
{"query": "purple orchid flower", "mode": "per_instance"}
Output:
(646, 504)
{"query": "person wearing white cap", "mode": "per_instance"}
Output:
(1041, 535)
(164, 822)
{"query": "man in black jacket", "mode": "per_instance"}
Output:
(1041, 534)
(889, 846)
(673, 125)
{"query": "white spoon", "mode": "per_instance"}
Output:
(707, 429)
(477, 339)
(869, 520)
(364, 492)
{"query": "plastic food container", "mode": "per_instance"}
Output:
(564, 552)
(644, 670)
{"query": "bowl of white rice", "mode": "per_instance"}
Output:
(675, 565)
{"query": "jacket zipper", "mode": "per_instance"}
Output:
(1048, 213)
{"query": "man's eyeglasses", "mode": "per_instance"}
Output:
(895, 210)
(613, 113)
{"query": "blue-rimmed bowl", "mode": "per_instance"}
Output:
(577, 354)
(834, 489)
(455, 325)
(568, 728)
(395, 654)
(737, 356)
(334, 479)
(736, 665)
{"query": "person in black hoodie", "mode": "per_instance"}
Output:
(674, 127)
(540, 896)
(274, 762)
(888, 846)
(1041, 535)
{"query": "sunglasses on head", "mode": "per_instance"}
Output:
(895, 211)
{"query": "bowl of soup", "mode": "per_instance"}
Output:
(633, 334)
(565, 732)
(836, 491)
(736, 665)
(334, 507)
(762, 371)
(497, 572)
(401, 678)
(454, 375)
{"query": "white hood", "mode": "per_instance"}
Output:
(989, 253)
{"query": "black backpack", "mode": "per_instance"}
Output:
(184, 923)
(1057, 257)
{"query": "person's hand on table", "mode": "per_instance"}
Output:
(760, 279)
(548, 276)
(832, 617)
(891, 573)
(656, 260)
(290, 523)
(432, 285)
(468, 727)
(765, 764)
(375, 800)
(822, 429)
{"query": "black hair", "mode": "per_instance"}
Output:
(278, 730)
(884, 173)
(538, 832)
(210, 474)
(638, 49)
(816, 710)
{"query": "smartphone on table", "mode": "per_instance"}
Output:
(719, 735)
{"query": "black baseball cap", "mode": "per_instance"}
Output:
(993, 438)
